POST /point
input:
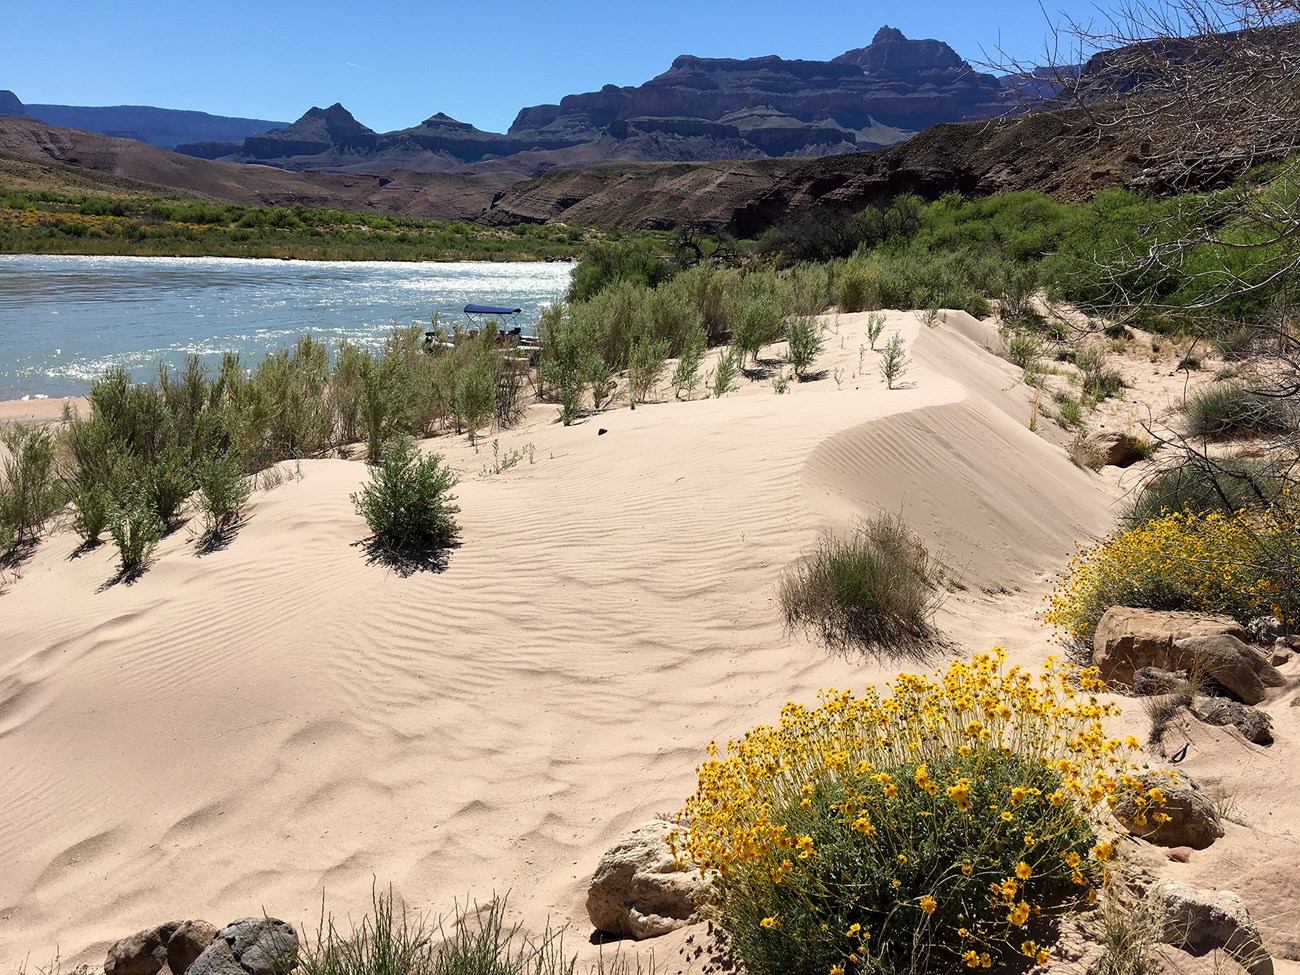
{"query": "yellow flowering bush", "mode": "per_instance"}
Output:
(946, 824)
(1241, 565)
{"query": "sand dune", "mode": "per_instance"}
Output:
(235, 732)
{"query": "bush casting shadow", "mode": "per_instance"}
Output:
(406, 562)
(875, 590)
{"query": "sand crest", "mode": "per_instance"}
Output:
(236, 732)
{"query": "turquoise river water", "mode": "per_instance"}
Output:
(64, 320)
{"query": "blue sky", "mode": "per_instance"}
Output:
(395, 63)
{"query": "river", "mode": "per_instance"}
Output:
(65, 320)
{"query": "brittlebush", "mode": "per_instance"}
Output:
(947, 824)
(1241, 565)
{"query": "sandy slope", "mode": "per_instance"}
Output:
(235, 732)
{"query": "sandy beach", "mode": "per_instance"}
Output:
(242, 731)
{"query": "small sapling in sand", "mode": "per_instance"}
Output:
(893, 361)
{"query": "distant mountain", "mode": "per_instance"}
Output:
(162, 127)
(699, 109)
(34, 153)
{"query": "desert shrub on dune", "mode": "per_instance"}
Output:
(804, 344)
(30, 491)
(136, 531)
(408, 502)
(944, 825)
(874, 589)
(221, 496)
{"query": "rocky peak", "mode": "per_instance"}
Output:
(10, 105)
(319, 130)
(335, 122)
(891, 52)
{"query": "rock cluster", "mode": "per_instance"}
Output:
(1128, 640)
(249, 946)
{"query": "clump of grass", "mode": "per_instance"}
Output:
(408, 502)
(875, 589)
(1129, 930)
(473, 941)
(1099, 381)
(1069, 411)
(1225, 410)
(1085, 453)
(926, 828)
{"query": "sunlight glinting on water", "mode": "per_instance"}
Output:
(65, 320)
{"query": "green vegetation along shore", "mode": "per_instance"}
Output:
(39, 222)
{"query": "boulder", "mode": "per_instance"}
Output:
(143, 953)
(190, 940)
(1121, 449)
(640, 891)
(1253, 723)
(1130, 639)
(1281, 653)
(1192, 820)
(249, 946)
(1233, 663)
(1204, 920)
(1153, 682)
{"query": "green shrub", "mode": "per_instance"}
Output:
(136, 531)
(757, 324)
(724, 373)
(804, 344)
(475, 398)
(385, 406)
(30, 491)
(223, 493)
(644, 368)
(407, 502)
(687, 374)
(875, 325)
(93, 511)
(1197, 487)
(1069, 411)
(893, 361)
(167, 482)
(875, 590)
(946, 825)
(1099, 382)
(1224, 410)
(855, 288)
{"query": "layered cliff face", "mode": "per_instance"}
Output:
(895, 83)
(700, 108)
